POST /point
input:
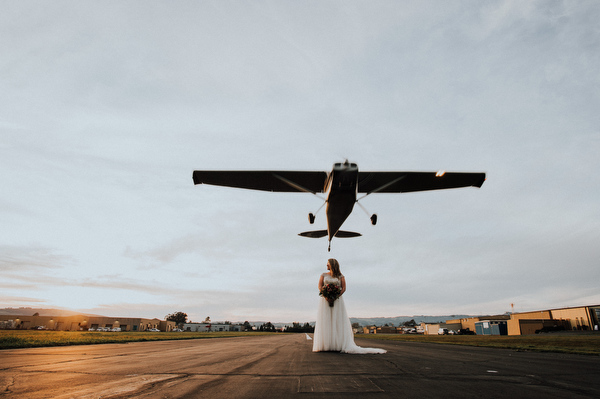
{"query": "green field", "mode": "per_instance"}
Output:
(587, 344)
(11, 339)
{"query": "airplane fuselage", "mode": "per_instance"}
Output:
(341, 187)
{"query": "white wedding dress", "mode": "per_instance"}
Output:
(333, 331)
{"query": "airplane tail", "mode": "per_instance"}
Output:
(314, 234)
(347, 234)
(323, 233)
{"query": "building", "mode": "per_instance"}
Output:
(580, 318)
(370, 330)
(440, 328)
(491, 327)
(470, 322)
(83, 323)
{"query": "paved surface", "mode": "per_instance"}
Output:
(283, 365)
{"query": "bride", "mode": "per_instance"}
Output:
(333, 331)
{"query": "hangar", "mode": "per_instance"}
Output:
(580, 318)
(83, 323)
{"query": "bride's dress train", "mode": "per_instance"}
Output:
(333, 331)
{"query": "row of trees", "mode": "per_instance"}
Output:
(410, 323)
(295, 327)
(180, 318)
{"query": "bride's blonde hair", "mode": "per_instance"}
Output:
(335, 267)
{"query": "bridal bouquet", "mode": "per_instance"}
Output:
(331, 292)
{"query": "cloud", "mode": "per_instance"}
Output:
(20, 300)
(29, 259)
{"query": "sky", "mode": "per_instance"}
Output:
(107, 108)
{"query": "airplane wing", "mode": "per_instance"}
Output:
(402, 182)
(280, 181)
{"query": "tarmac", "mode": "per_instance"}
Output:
(284, 365)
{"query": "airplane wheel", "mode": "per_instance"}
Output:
(374, 219)
(311, 218)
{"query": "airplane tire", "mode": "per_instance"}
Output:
(374, 219)
(311, 218)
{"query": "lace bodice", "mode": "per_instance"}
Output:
(328, 279)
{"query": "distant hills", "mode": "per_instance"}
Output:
(399, 320)
(366, 321)
(381, 321)
(41, 312)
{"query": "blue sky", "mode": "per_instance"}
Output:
(106, 109)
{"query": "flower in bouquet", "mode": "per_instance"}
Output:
(331, 292)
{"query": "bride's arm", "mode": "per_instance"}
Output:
(343, 281)
(320, 283)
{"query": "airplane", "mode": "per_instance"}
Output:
(341, 186)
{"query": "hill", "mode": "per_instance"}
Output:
(40, 312)
(399, 320)
(363, 321)
(380, 321)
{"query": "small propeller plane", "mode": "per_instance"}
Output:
(341, 186)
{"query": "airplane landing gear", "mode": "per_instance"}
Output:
(311, 218)
(373, 216)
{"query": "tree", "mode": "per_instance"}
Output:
(308, 328)
(298, 328)
(247, 326)
(268, 326)
(411, 323)
(178, 317)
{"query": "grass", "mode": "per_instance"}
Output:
(584, 344)
(12, 339)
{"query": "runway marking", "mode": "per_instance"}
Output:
(308, 337)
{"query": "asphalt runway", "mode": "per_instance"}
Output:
(283, 365)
